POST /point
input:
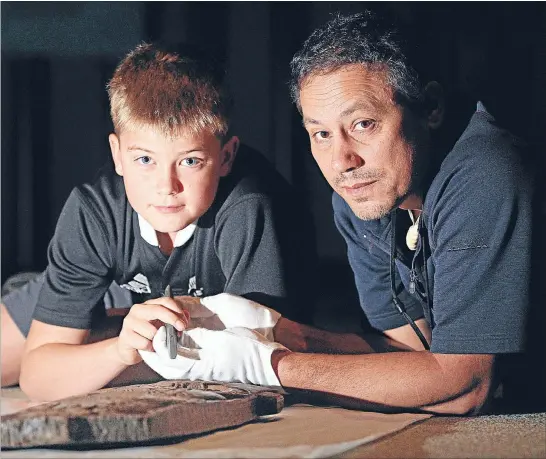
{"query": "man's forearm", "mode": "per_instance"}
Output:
(393, 381)
(304, 338)
(56, 370)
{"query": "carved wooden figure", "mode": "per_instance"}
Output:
(139, 413)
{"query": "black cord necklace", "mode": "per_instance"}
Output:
(397, 303)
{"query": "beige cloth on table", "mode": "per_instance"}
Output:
(298, 431)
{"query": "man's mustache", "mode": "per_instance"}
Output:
(357, 176)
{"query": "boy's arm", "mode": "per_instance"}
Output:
(57, 364)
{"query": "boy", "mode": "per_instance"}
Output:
(170, 214)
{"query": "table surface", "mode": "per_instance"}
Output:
(500, 436)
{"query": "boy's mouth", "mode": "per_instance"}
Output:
(169, 209)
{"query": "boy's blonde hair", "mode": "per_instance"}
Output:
(168, 91)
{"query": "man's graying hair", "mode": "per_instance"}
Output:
(364, 38)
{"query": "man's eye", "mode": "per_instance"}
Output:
(144, 160)
(363, 125)
(191, 162)
(321, 135)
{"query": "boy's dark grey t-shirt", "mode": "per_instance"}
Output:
(251, 242)
(477, 222)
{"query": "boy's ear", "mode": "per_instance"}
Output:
(228, 153)
(116, 155)
(434, 104)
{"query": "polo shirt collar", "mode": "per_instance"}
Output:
(150, 236)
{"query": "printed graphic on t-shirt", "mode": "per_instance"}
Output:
(139, 284)
(192, 287)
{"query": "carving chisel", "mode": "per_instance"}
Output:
(171, 332)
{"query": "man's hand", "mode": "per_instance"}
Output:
(228, 311)
(141, 325)
(231, 355)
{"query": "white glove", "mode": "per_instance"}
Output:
(231, 355)
(227, 311)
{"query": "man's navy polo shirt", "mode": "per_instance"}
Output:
(477, 222)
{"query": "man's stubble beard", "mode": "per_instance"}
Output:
(373, 210)
(378, 209)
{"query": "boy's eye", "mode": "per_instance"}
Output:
(144, 160)
(191, 162)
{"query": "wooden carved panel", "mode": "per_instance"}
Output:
(139, 413)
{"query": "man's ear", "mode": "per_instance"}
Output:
(116, 153)
(228, 153)
(434, 104)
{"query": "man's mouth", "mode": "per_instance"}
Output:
(357, 189)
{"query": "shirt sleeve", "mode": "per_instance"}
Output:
(371, 268)
(481, 242)
(248, 245)
(78, 272)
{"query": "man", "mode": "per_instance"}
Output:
(181, 207)
(438, 236)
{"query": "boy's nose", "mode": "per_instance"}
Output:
(168, 183)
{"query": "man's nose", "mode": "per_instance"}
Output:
(345, 157)
(168, 181)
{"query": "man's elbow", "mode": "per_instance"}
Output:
(468, 382)
(470, 403)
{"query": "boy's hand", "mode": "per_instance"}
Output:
(141, 324)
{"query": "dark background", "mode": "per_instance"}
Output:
(58, 56)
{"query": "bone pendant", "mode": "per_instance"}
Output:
(412, 237)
